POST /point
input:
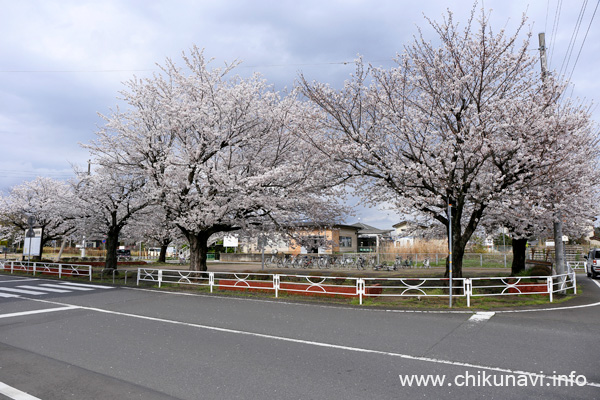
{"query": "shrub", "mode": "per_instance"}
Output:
(538, 270)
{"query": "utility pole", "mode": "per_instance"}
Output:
(559, 249)
(450, 251)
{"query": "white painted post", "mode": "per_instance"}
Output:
(137, 283)
(211, 280)
(468, 291)
(549, 286)
(34, 265)
(276, 284)
(160, 275)
(360, 289)
(574, 282)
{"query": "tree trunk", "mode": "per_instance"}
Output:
(198, 250)
(62, 248)
(458, 253)
(162, 257)
(459, 243)
(519, 247)
(559, 249)
(112, 242)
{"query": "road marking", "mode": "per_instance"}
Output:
(313, 343)
(481, 316)
(19, 280)
(22, 291)
(87, 285)
(14, 393)
(6, 295)
(596, 282)
(46, 289)
(275, 301)
(52, 285)
(42, 311)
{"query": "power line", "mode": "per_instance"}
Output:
(26, 174)
(584, 38)
(547, 12)
(39, 71)
(571, 46)
(555, 27)
(316, 64)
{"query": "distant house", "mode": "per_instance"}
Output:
(405, 233)
(370, 238)
(337, 238)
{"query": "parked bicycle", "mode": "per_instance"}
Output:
(385, 267)
(361, 263)
(272, 261)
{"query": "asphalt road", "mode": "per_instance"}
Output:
(103, 342)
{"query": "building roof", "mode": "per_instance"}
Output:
(325, 226)
(365, 229)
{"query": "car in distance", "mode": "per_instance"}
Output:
(123, 254)
(592, 265)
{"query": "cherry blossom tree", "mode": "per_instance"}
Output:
(466, 122)
(107, 199)
(46, 200)
(217, 152)
(565, 190)
(154, 227)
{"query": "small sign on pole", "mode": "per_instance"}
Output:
(230, 241)
(32, 245)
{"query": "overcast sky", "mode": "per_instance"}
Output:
(63, 61)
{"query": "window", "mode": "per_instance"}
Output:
(345, 241)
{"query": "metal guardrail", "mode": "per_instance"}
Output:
(576, 264)
(46, 268)
(365, 287)
(502, 286)
(416, 287)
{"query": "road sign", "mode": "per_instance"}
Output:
(32, 245)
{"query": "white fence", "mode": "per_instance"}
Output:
(46, 268)
(365, 287)
(576, 265)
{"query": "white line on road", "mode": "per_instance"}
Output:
(313, 343)
(46, 289)
(45, 310)
(22, 291)
(481, 316)
(87, 285)
(19, 280)
(14, 393)
(64, 287)
(558, 308)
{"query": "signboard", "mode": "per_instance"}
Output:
(32, 245)
(230, 241)
(550, 243)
